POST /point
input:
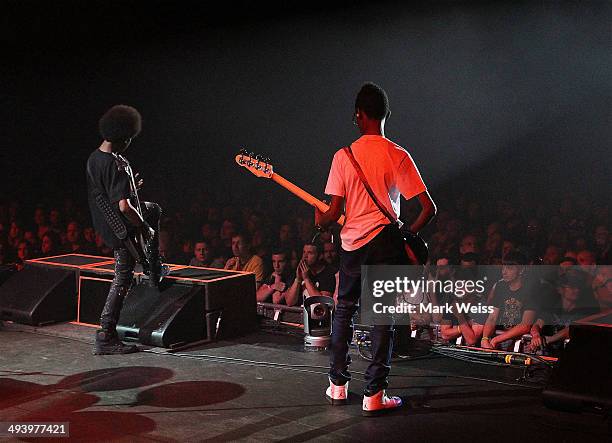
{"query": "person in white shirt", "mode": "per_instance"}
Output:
(368, 237)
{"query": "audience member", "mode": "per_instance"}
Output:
(40, 220)
(312, 277)
(186, 253)
(203, 256)
(287, 237)
(552, 255)
(469, 243)
(514, 305)
(50, 244)
(276, 286)
(508, 245)
(55, 221)
(228, 229)
(74, 238)
(572, 303)
(330, 255)
(23, 253)
(602, 287)
(15, 234)
(243, 258)
(586, 260)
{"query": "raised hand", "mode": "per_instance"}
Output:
(278, 282)
(304, 270)
(232, 263)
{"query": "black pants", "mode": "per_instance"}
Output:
(386, 248)
(124, 272)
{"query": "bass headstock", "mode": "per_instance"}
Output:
(259, 165)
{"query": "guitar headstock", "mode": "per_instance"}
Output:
(257, 164)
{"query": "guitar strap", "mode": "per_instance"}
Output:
(364, 180)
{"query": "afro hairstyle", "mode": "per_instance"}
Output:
(120, 123)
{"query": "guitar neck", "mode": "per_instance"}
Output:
(134, 188)
(135, 192)
(299, 192)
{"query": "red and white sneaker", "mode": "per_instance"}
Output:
(337, 395)
(379, 403)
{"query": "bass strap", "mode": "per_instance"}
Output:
(364, 180)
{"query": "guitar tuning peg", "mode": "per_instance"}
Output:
(267, 164)
(242, 153)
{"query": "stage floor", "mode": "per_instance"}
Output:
(211, 393)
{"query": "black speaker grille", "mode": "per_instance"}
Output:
(38, 295)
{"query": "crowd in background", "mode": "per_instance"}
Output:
(572, 228)
(276, 239)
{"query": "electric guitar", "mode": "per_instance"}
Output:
(138, 242)
(260, 166)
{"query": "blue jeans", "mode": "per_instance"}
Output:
(386, 248)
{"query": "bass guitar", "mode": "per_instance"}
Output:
(260, 166)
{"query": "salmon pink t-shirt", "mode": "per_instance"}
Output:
(390, 172)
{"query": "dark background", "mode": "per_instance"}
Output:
(491, 98)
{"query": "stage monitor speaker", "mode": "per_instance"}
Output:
(181, 313)
(39, 295)
(170, 317)
(6, 271)
(581, 381)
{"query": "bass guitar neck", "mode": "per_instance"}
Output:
(300, 193)
(262, 168)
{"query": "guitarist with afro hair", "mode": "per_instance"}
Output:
(116, 211)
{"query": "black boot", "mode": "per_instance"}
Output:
(157, 275)
(107, 340)
(158, 272)
(108, 343)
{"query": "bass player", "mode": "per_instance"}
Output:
(370, 236)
